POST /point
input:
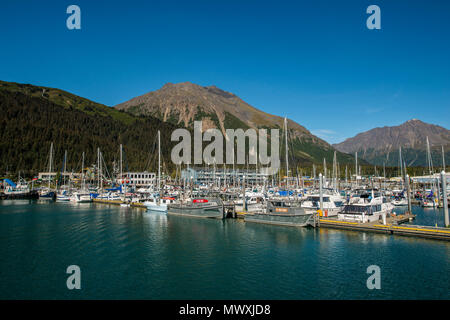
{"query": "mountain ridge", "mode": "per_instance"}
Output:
(377, 144)
(185, 102)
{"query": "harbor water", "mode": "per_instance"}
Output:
(128, 253)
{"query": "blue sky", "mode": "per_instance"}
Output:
(313, 61)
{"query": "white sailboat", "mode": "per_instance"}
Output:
(63, 195)
(156, 203)
(83, 195)
(48, 193)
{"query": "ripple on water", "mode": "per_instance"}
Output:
(130, 253)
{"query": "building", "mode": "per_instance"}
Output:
(45, 176)
(205, 176)
(139, 179)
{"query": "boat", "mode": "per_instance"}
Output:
(63, 196)
(109, 196)
(48, 193)
(158, 204)
(369, 208)
(17, 191)
(429, 203)
(252, 204)
(400, 201)
(282, 212)
(201, 208)
(332, 204)
(81, 197)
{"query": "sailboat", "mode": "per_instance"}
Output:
(63, 195)
(83, 195)
(156, 202)
(48, 193)
(431, 200)
(399, 199)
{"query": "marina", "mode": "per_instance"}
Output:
(131, 253)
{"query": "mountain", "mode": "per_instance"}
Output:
(381, 145)
(184, 103)
(31, 117)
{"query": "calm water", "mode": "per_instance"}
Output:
(127, 253)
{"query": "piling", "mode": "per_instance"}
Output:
(444, 196)
(321, 198)
(408, 193)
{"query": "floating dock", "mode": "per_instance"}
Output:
(119, 202)
(392, 226)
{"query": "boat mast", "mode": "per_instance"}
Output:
(287, 161)
(159, 160)
(98, 168)
(101, 171)
(82, 173)
(121, 182)
(50, 163)
(443, 159)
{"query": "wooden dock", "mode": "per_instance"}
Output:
(392, 226)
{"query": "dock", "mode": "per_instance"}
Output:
(392, 226)
(119, 202)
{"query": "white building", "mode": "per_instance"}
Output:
(139, 179)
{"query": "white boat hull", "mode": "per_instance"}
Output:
(156, 207)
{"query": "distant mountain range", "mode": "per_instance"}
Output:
(184, 103)
(33, 116)
(381, 145)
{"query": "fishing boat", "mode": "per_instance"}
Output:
(282, 212)
(201, 208)
(19, 189)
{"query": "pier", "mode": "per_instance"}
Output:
(392, 226)
(119, 202)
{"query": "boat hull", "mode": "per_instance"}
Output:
(198, 212)
(155, 207)
(293, 220)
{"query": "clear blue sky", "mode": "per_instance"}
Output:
(313, 61)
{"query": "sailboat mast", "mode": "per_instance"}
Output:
(65, 167)
(159, 160)
(50, 163)
(443, 159)
(121, 164)
(287, 161)
(101, 172)
(82, 173)
(98, 168)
